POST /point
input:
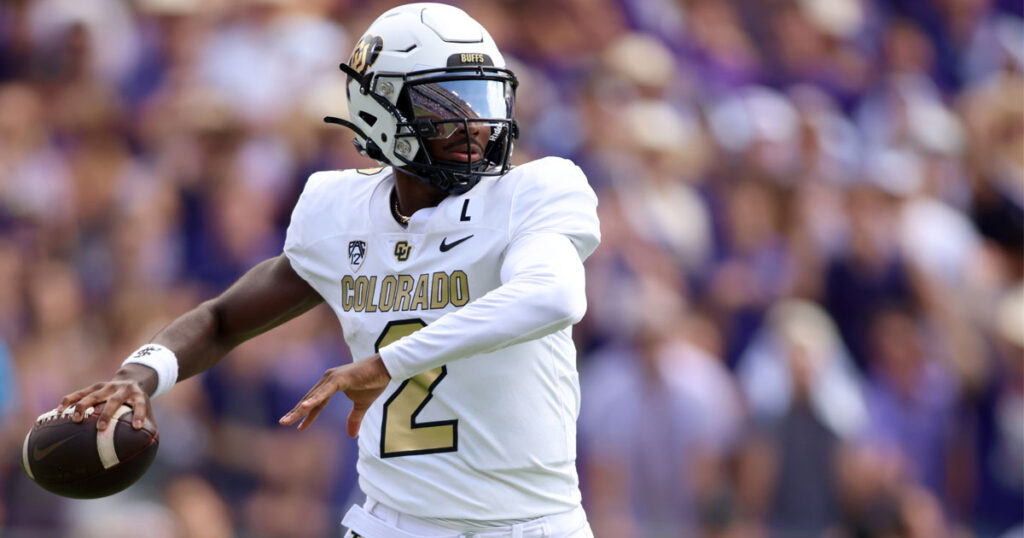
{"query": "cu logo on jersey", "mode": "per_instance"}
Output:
(402, 250)
(356, 253)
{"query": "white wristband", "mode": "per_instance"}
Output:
(160, 359)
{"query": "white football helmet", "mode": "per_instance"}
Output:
(428, 72)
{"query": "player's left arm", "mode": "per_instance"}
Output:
(553, 227)
(542, 291)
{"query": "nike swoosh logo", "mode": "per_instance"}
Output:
(445, 247)
(38, 454)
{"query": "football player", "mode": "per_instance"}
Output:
(456, 278)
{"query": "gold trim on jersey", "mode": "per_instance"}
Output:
(370, 171)
(403, 293)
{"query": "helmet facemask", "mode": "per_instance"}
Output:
(452, 126)
(462, 121)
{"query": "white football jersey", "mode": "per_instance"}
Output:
(477, 423)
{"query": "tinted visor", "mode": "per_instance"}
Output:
(449, 104)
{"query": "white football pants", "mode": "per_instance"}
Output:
(375, 520)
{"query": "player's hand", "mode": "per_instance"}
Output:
(361, 381)
(115, 392)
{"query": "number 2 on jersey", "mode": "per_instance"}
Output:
(400, 433)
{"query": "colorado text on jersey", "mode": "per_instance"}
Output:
(431, 291)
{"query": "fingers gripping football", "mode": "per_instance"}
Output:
(115, 393)
(76, 396)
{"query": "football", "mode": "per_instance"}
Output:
(79, 461)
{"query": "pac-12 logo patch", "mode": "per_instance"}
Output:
(356, 253)
(402, 250)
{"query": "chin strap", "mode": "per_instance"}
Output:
(371, 149)
(374, 152)
(345, 123)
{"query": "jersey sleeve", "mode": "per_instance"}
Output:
(542, 291)
(553, 228)
(554, 196)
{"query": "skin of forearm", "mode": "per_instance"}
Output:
(267, 296)
(199, 338)
(196, 341)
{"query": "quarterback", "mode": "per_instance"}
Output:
(456, 279)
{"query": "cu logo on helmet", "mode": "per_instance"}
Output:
(366, 53)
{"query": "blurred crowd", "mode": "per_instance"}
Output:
(806, 316)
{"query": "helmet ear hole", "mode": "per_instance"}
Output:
(370, 119)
